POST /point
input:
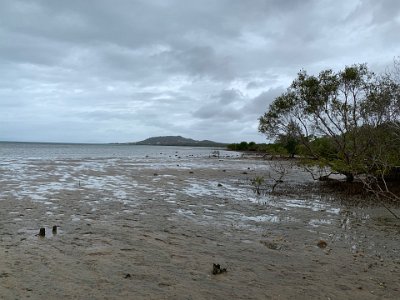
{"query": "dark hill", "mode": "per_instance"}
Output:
(177, 141)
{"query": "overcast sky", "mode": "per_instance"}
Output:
(125, 70)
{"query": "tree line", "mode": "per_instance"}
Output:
(277, 148)
(348, 121)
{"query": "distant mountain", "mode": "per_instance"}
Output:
(177, 141)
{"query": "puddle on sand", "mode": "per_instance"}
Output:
(311, 204)
(319, 222)
(185, 212)
(261, 218)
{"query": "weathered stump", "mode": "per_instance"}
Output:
(42, 232)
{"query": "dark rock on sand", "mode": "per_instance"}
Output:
(217, 269)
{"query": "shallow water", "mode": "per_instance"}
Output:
(10, 150)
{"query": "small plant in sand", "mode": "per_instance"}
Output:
(257, 182)
(280, 170)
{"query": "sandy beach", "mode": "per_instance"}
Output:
(132, 229)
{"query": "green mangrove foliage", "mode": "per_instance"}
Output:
(271, 149)
(347, 120)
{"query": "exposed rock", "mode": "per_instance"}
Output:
(322, 244)
(217, 269)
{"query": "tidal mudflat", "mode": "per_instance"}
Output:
(152, 229)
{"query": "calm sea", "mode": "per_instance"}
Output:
(10, 150)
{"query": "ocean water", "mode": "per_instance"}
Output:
(45, 151)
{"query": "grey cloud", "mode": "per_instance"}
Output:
(224, 106)
(259, 104)
(105, 115)
(220, 113)
(237, 129)
(199, 61)
(379, 12)
(255, 84)
(128, 69)
(228, 96)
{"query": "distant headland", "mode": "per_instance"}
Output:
(177, 141)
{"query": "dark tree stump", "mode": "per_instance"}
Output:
(42, 232)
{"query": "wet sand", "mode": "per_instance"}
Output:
(152, 230)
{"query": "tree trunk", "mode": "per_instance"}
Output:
(349, 177)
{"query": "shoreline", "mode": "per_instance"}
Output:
(165, 226)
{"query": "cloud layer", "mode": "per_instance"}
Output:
(123, 70)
